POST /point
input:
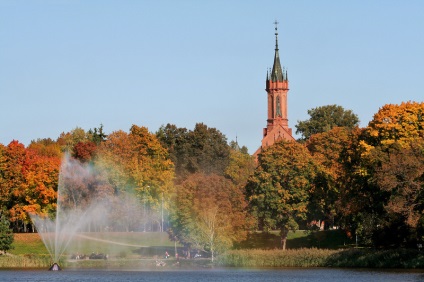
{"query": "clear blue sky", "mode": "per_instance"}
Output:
(67, 64)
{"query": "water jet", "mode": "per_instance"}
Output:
(87, 207)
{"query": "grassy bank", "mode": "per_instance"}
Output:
(132, 248)
(141, 250)
(359, 258)
(117, 244)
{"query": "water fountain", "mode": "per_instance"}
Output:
(83, 201)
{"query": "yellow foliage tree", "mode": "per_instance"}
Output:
(137, 163)
(397, 123)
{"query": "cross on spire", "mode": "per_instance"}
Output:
(276, 34)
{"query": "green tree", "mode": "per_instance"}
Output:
(175, 140)
(278, 191)
(202, 150)
(97, 135)
(324, 118)
(6, 235)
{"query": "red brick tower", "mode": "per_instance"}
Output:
(277, 87)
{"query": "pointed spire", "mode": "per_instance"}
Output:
(277, 73)
(237, 147)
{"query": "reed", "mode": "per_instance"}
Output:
(25, 261)
(370, 258)
(276, 258)
(358, 258)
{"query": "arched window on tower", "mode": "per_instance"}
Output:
(278, 107)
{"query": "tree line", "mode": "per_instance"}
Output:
(209, 193)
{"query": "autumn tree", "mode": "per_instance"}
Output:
(371, 200)
(30, 180)
(325, 118)
(68, 140)
(360, 204)
(41, 183)
(14, 183)
(4, 187)
(400, 173)
(136, 163)
(82, 184)
(240, 167)
(84, 151)
(46, 147)
(327, 149)
(396, 123)
(278, 191)
(208, 213)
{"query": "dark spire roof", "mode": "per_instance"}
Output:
(277, 72)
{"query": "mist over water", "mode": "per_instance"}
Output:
(89, 207)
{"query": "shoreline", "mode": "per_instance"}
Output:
(247, 259)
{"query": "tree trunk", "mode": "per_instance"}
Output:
(212, 253)
(283, 233)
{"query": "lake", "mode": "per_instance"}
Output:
(221, 275)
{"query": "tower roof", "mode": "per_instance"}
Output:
(277, 71)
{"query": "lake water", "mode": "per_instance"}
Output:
(221, 275)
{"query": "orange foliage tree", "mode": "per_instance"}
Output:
(4, 188)
(31, 181)
(327, 149)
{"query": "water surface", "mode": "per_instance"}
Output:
(221, 275)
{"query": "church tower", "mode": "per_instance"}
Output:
(277, 88)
